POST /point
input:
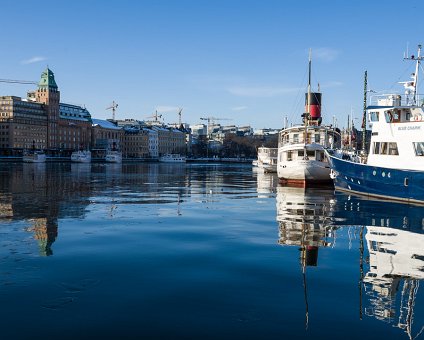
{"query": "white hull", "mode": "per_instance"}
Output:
(34, 158)
(269, 168)
(113, 157)
(81, 157)
(304, 171)
(172, 158)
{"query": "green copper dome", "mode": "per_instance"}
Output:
(47, 79)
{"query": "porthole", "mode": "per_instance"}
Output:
(374, 172)
(388, 175)
(349, 187)
(383, 174)
(359, 182)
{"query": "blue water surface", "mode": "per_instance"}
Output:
(201, 251)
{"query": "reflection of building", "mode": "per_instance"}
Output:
(303, 219)
(45, 232)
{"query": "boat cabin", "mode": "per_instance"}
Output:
(397, 132)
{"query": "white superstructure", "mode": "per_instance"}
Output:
(81, 156)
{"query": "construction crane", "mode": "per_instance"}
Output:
(179, 117)
(211, 122)
(113, 108)
(155, 116)
(13, 81)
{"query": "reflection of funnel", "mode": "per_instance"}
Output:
(309, 256)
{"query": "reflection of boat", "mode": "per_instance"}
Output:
(34, 157)
(267, 159)
(303, 220)
(266, 183)
(81, 156)
(172, 158)
(394, 237)
(303, 216)
(394, 168)
(113, 156)
(301, 159)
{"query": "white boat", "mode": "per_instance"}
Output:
(81, 156)
(172, 158)
(301, 159)
(113, 156)
(393, 168)
(267, 159)
(34, 157)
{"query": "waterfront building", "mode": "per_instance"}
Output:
(23, 124)
(106, 135)
(40, 121)
(153, 143)
(170, 140)
(135, 142)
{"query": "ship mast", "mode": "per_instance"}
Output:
(414, 84)
(364, 116)
(308, 106)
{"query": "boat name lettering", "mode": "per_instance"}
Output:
(413, 127)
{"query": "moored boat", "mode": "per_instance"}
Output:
(301, 159)
(267, 159)
(394, 166)
(34, 157)
(172, 158)
(113, 156)
(81, 156)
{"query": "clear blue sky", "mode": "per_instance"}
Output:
(240, 60)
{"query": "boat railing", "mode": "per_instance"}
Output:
(395, 99)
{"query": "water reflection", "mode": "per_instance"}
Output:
(304, 220)
(46, 193)
(389, 237)
(266, 183)
(394, 238)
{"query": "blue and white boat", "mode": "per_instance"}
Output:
(394, 166)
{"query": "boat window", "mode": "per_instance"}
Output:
(300, 153)
(317, 138)
(296, 138)
(419, 148)
(388, 116)
(393, 149)
(396, 115)
(376, 149)
(310, 154)
(374, 116)
(289, 155)
(383, 148)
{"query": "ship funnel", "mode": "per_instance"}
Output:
(313, 105)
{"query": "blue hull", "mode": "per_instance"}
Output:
(386, 183)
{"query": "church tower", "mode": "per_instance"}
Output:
(48, 94)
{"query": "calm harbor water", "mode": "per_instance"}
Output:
(201, 251)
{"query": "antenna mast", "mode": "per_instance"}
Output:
(364, 116)
(414, 84)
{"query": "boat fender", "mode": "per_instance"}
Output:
(418, 117)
